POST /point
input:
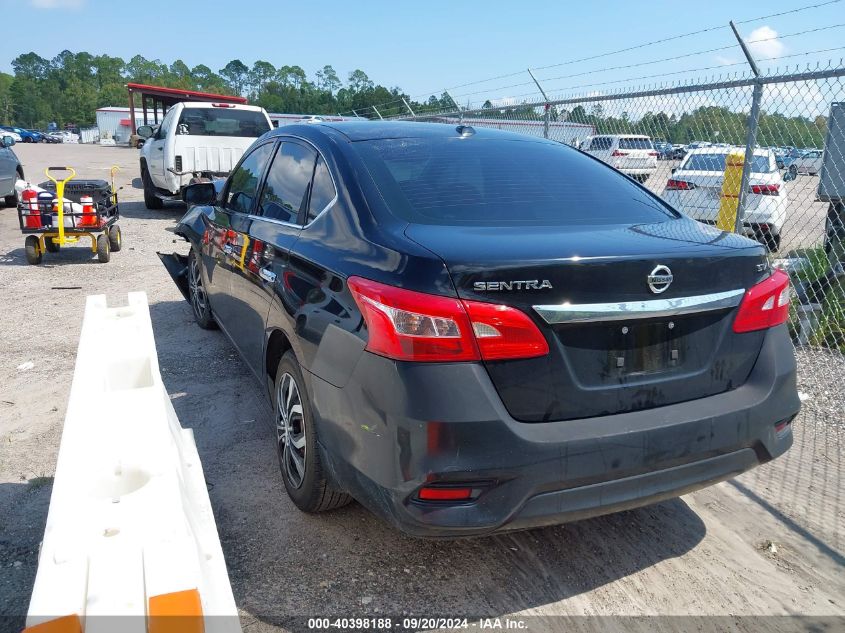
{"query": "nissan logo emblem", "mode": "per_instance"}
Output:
(659, 279)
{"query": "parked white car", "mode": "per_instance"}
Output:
(15, 136)
(695, 189)
(808, 163)
(632, 154)
(196, 139)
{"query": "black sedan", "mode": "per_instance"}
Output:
(469, 330)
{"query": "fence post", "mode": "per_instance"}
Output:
(378, 113)
(409, 108)
(546, 112)
(751, 137)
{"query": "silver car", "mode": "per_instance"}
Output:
(10, 171)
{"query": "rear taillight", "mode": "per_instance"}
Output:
(764, 305)
(652, 154)
(415, 326)
(222, 105)
(679, 185)
(618, 153)
(765, 190)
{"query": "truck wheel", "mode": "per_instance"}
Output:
(115, 238)
(296, 443)
(32, 247)
(151, 200)
(103, 249)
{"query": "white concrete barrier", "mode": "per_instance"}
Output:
(130, 531)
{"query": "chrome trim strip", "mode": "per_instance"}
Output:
(627, 310)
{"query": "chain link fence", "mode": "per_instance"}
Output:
(789, 130)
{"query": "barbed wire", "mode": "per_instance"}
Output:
(386, 104)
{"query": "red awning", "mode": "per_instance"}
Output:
(176, 94)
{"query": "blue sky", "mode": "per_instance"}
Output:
(424, 47)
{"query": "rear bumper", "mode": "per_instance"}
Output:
(393, 427)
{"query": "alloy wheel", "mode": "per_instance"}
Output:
(290, 430)
(199, 301)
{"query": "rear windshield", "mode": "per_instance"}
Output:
(222, 122)
(716, 162)
(496, 182)
(635, 143)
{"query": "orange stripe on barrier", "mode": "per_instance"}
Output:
(65, 624)
(177, 612)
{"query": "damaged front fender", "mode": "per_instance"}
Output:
(192, 227)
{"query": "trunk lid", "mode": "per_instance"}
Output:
(633, 350)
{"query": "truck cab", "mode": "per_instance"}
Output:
(196, 140)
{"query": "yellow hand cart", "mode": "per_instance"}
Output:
(67, 212)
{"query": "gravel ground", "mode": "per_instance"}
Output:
(770, 542)
(821, 381)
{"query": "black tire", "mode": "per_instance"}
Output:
(32, 247)
(308, 488)
(51, 246)
(793, 170)
(103, 249)
(12, 200)
(115, 238)
(197, 295)
(151, 200)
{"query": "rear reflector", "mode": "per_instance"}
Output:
(618, 153)
(679, 185)
(431, 493)
(765, 190)
(415, 326)
(764, 305)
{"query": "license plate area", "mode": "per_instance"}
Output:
(640, 348)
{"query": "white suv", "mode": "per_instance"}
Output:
(632, 154)
(196, 139)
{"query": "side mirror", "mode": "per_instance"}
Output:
(145, 131)
(8, 141)
(199, 193)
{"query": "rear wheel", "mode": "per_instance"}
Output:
(32, 247)
(103, 249)
(296, 443)
(115, 238)
(151, 199)
(198, 295)
(51, 246)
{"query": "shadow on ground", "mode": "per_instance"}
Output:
(21, 532)
(285, 564)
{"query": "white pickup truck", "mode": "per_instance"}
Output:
(196, 140)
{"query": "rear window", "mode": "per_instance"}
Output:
(496, 182)
(635, 143)
(716, 162)
(222, 122)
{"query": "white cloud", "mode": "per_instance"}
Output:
(725, 61)
(57, 4)
(767, 43)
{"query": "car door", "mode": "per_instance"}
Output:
(226, 244)
(156, 157)
(273, 228)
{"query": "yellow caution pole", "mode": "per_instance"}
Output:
(731, 184)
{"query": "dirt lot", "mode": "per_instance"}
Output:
(770, 542)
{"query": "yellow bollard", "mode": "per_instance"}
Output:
(729, 200)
